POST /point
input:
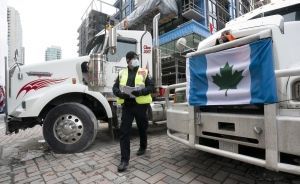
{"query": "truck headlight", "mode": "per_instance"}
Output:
(296, 90)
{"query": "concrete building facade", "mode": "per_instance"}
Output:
(3, 39)
(53, 53)
(14, 37)
(93, 23)
(126, 7)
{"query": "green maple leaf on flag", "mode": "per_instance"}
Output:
(228, 79)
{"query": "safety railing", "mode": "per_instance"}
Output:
(192, 6)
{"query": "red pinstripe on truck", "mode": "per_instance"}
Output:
(38, 84)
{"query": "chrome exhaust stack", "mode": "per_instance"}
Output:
(96, 75)
(156, 61)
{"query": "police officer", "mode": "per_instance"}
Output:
(133, 106)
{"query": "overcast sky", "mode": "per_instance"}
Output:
(52, 22)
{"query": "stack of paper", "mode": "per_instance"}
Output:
(128, 90)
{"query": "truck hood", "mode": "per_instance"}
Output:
(46, 64)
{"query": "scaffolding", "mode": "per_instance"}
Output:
(143, 15)
(93, 21)
(100, 6)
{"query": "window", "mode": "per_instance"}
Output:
(168, 48)
(212, 7)
(291, 13)
(135, 3)
(243, 9)
(197, 40)
(234, 14)
(213, 21)
(127, 10)
(123, 14)
(122, 49)
(189, 40)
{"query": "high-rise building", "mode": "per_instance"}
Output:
(53, 53)
(3, 39)
(82, 38)
(14, 36)
(90, 26)
(126, 7)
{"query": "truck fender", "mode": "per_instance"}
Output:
(102, 100)
(37, 102)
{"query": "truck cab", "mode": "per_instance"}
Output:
(69, 97)
(261, 134)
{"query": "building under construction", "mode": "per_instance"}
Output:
(195, 20)
(93, 23)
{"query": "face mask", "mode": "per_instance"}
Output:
(135, 63)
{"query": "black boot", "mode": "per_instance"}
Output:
(123, 166)
(141, 151)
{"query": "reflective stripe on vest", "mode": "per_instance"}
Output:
(139, 81)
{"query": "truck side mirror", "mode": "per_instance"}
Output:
(16, 58)
(112, 40)
(20, 75)
(181, 44)
(16, 55)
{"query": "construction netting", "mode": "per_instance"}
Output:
(146, 11)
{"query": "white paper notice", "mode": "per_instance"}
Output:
(128, 90)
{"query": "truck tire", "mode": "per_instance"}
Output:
(70, 128)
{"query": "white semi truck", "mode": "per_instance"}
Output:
(69, 97)
(265, 135)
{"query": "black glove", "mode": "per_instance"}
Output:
(137, 93)
(123, 95)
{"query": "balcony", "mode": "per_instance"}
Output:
(192, 11)
(118, 4)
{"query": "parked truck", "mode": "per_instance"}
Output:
(69, 97)
(263, 134)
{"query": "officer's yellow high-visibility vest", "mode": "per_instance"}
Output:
(140, 78)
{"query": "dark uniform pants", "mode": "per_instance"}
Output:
(129, 112)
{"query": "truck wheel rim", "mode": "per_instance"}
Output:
(68, 129)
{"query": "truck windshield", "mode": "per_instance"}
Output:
(123, 46)
(290, 13)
